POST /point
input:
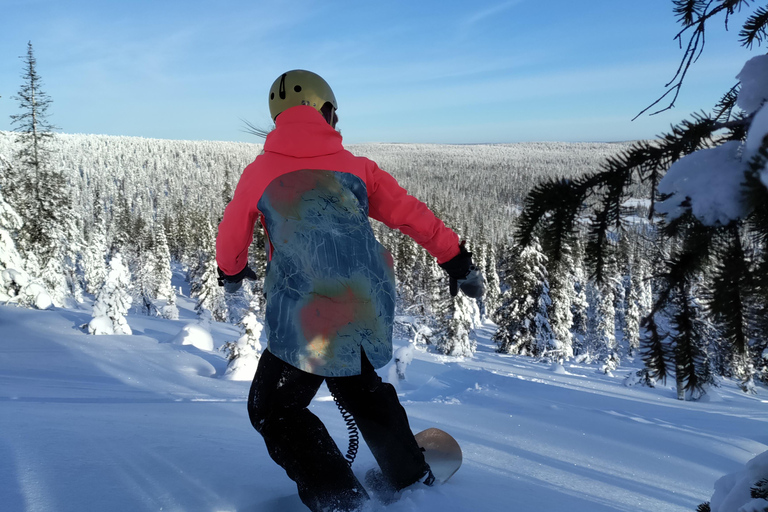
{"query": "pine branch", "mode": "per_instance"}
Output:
(686, 263)
(759, 491)
(724, 107)
(551, 209)
(690, 361)
(732, 286)
(694, 16)
(689, 10)
(654, 351)
(754, 29)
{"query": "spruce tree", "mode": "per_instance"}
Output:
(523, 319)
(433, 283)
(205, 286)
(579, 302)
(688, 336)
(493, 285)
(454, 337)
(243, 354)
(730, 304)
(10, 223)
(42, 195)
(95, 250)
(165, 292)
(113, 301)
(562, 293)
(406, 270)
(632, 315)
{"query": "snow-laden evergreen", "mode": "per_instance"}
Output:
(523, 319)
(562, 294)
(16, 285)
(165, 294)
(113, 301)
(10, 223)
(458, 318)
(492, 284)
(243, 354)
(94, 253)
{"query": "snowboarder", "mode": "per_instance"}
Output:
(330, 293)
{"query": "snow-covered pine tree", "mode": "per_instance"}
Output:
(731, 302)
(42, 196)
(454, 334)
(562, 293)
(492, 285)
(205, 286)
(113, 301)
(632, 316)
(579, 302)
(95, 250)
(10, 223)
(688, 335)
(145, 265)
(406, 271)
(523, 319)
(11, 264)
(163, 275)
(243, 354)
(122, 225)
(602, 325)
(434, 284)
(15, 283)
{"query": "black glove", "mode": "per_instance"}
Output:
(464, 275)
(233, 283)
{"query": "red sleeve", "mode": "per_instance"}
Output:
(391, 204)
(236, 229)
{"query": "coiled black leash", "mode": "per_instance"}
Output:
(349, 421)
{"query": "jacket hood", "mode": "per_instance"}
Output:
(302, 132)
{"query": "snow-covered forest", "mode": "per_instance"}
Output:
(153, 202)
(148, 203)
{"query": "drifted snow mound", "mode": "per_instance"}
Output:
(101, 326)
(403, 358)
(243, 367)
(39, 296)
(196, 335)
(733, 491)
(17, 286)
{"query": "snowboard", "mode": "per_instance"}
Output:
(441, 451)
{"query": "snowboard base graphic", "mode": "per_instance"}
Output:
(441, 451)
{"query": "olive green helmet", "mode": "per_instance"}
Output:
(299, 87)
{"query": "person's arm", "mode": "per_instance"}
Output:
(391, 204)
(236, 230)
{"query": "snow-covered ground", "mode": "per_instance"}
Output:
(144, 423)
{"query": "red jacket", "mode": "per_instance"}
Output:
(303, 140)
(329, 283)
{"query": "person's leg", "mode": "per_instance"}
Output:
(297, 440)
(383, 424)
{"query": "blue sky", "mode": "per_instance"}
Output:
(403, 71)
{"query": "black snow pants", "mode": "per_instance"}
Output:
(299, 442)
